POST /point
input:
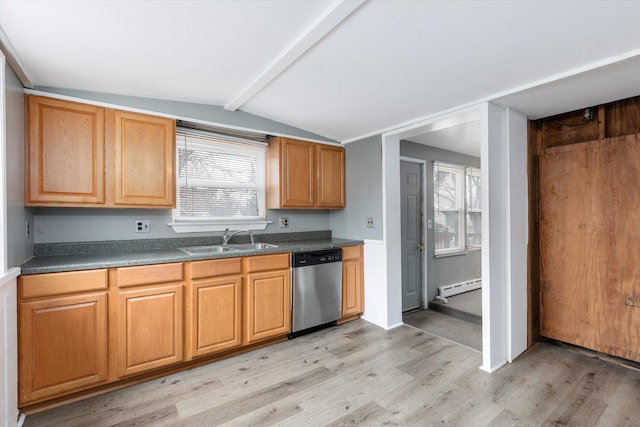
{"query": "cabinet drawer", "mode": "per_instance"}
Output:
(267, 262)
(350, 252)
(216, 267)
(40, 285)
(148, 274)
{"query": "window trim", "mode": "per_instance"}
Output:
(207, 224)
(471, 171)
(459, 170)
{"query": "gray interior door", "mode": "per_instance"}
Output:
(412, 243)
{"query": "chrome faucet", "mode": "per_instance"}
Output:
(226, 237)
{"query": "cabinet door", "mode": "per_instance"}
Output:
(144, 160)
(65, 153)
(267, 312)
(352, 283)
(298, 174)
(62, 345)
(149, 328)
(330, 169)
(215, 317)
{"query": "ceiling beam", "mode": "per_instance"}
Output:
(320, 27)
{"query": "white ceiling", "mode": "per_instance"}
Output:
(342, 69)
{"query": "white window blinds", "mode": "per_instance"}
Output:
(219, 177)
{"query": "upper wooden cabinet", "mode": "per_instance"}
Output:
(290, 174)
(302, 174)
(88, 156)
(144, 159)
(330, 176)
(65, 152)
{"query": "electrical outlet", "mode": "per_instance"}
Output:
(284, 222)
(478, 273)
(429, 223)
(143, 226)
(369, 222)
(27, 229)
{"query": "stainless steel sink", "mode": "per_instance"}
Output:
(253, 246)
(198, 250)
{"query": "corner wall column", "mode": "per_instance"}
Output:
(504, 235)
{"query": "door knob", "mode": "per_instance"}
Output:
(421, 247)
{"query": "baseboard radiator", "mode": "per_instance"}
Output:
(458, 288)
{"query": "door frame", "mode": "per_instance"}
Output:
(3, 174)
(503, 134)
(425, 216)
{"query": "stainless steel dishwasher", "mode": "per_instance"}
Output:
(316, 290)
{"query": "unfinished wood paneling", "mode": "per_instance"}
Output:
(610, 120)
(570, 128)
(589, 238)
(533, 283)
(622, 117)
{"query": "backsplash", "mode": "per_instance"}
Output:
(59, 225)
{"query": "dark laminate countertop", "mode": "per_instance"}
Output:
(111, 256)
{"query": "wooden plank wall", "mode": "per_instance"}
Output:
(589, 240)
(614, 119)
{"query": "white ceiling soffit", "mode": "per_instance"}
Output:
(615, 80)
(460, 138)
(341, 69)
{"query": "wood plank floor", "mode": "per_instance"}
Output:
(359, 374)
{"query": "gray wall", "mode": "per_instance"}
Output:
(55, 225)
(451, 269)
(186, 110)
(19, 247)
(363, 175)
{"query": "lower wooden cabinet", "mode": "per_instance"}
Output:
(216, 316)
(352, 281)
(149, 328)
(62, 345)
(79, 330)
(268, 295)
(214, 307)
(267, 305)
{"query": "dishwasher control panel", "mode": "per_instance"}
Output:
(302, 259)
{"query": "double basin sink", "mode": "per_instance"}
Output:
(198, 250)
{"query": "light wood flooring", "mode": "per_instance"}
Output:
(359, 374)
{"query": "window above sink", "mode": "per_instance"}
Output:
(220, 182)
